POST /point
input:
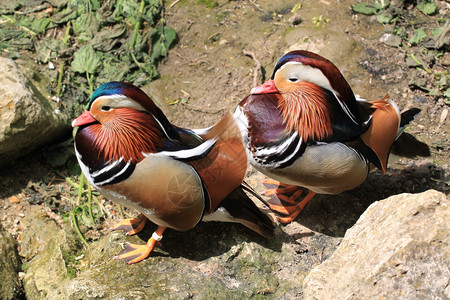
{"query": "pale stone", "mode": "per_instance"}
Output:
(52, 265)
(398, 249)
(27, 118)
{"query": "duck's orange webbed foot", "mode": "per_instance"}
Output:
(133, 253)
(283, 197)
(296, 210)
(274, 188)
(131, 226)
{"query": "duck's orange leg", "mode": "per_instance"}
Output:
(131, 226)
(298, 208)
(135, 253)
(274, 187)
(284, 197)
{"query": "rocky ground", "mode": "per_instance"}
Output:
(223, 50)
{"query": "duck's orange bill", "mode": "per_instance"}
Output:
(265, 88)
(83, 119)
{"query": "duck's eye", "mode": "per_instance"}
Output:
(293, 79)
(106, 108)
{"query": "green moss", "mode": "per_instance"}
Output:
(219, 17)
(24, 267)
(288, 30)
(209, 3)
(71, 263)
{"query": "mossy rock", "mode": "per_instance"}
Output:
(10, 285)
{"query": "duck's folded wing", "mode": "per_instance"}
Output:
(269, 143)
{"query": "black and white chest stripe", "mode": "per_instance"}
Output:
(279, 154)
(108, 173)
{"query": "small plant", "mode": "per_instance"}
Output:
(427, 7)
(370, 8)
(24, 267)
(86, 62)
(71, 263)
(296, 7)
(96, 42)
(320, 21)
(419, 31)
(84, 210)
(209, 3)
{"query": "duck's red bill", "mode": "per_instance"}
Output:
(83, 119)
(265, 88)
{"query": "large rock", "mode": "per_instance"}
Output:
(28, 120)
(10, 285)
(50, 250)
(398, 249)
(37, 232)
(211, 261)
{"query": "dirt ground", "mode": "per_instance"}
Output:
(207, 74)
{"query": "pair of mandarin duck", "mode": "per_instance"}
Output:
(304, 128)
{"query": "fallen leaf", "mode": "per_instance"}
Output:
(14, 199)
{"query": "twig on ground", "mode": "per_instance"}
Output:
(257, 6)
(257, 66)
(190, 23)
(174, 3)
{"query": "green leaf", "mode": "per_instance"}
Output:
(78, 210)
(40, 25)
(170, 36)
(176, 101)
(153, 12)
(442, 82)
(65, 15)
(113, 68)
(437, 30)
(419, 36)
(85, 60)
(426, 7)
(72, 166)
(296, 7)
(161, 42)
(364, 8)
(108, 38)
(86, 26)
(58, 159)
(48, 48)
(384, 18)
(94, 5)
(447, 96)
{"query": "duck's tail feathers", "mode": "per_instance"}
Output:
(405, 144)
(244, 210)
(407, 117)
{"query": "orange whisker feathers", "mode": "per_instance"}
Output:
(307, 111)
(129, 134)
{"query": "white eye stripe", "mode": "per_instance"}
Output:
(307, 73)
(313, 75)
(117, 100)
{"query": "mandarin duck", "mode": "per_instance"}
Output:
(304, 128)
(132, 154)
